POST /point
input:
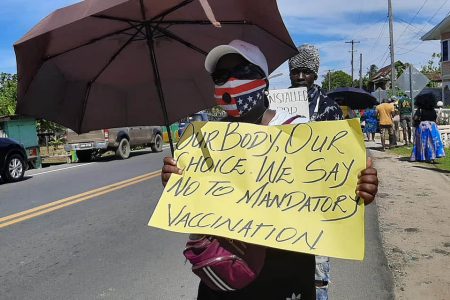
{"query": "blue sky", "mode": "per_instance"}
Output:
(325, 23)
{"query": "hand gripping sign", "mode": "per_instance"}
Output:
(290, 187)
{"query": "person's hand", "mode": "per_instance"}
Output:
(169, 167)
(367, 183)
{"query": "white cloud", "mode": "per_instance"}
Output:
(335, 9)
(328, 24)
(325, 23)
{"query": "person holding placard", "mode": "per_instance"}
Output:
(303, 71)
(240, 68)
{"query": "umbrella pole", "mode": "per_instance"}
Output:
(151, 48)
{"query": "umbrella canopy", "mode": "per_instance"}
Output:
(427, 100)
(111, 63)
(353, 97)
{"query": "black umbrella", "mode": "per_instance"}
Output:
(353, 97)
(426, 100)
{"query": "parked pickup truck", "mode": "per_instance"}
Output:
(119, 140)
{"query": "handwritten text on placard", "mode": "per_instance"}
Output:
(294, 101)
(290, 187)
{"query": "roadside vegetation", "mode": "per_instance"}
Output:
(441, 163)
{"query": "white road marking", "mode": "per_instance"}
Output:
(78, 166)
(52, 171)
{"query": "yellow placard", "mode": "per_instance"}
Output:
(290, 187)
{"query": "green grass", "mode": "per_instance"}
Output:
(441, 163)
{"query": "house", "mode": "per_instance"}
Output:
(382, 79)
(442, 32)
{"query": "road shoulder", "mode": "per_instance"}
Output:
(413, 210)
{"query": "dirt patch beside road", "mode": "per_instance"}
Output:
(414, 210)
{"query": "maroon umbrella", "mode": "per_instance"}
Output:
(112, 63)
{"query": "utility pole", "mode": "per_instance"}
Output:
(353, 52)
(411, 91)
(329, 80)
(360, 71)
(391, 36)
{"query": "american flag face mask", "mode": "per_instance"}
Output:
(237, 97)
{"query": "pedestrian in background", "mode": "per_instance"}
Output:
(385, 112)
(371, 123)
(405, 110)
(427, 139)
(396, 120)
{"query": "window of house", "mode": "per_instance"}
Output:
(445, 50)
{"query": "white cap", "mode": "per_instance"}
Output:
(440, 104)
(250, 52)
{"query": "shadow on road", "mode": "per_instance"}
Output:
(112, 157)
(404, 158)
(23, 179)
(433, 169)
(424, 165)
(376, 148)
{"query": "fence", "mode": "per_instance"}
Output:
(443, 116)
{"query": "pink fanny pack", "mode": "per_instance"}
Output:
(223, 264)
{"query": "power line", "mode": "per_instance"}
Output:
(385, 60)
(378, 57)
(421, 30)
(413, 18)
(403, 48)
(411, 50)
(362, 28)
(380, 35)
(408, 24)
(434, 15)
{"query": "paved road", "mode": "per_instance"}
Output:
(369, 279)
(97, 246)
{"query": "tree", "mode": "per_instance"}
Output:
(8, 94)
(400, 67)
(8, 101)
(432, 65)
(365, 83)
(338, 79)
(373, 70)
(49, 127)
(432, 69)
